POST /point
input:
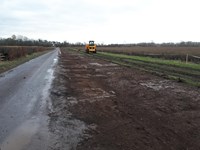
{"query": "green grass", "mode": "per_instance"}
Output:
(176, 63)
(171, 69)
(7, 65)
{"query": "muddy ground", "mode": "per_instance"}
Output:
(99, 105)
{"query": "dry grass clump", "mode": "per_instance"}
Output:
(172, 53)
(13, 52)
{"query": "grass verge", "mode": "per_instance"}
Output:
(7, 65)
(175, 70)
(176, 63)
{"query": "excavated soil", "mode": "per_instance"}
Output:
(98, 105)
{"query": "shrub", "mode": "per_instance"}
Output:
(13, 52)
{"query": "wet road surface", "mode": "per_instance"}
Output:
(24, 101)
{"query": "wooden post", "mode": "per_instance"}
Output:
(0, 57)
(186, 59)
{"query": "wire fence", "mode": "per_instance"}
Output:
(1, 57)
(192, 58)
(163, 55)
(195, 56)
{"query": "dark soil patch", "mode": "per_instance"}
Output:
(127, 109)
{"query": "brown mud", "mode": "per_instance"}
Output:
(99, 105)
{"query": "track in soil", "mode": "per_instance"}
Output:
(124, 108)
(184, 74)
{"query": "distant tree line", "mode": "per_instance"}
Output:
(24, 41)
(143, 44)
(152, 44)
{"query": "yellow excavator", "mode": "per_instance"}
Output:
(91, 47)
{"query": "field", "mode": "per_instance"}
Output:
(174, 53)
(177, 63)
(122, 108)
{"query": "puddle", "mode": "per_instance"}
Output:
(72, 100)
(110, 73)
(105, 65)
(65, 131)
(67, 134)
(100, 75)
(46, 101)
(157, 85)
(21, 136)
(96, 64)
(59, 52)
(55, 60)
(84, 66)
(2, 75)
(96, 94)
(80, 76)
(110, 65)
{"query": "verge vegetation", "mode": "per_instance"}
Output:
(172, 69)
(12, 56)
(172, 53)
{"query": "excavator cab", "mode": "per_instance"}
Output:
(91, 47)
(91, 43)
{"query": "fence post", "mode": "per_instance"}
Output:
(186, 59)
(0, 57)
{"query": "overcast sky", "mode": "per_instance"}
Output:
(105, 21)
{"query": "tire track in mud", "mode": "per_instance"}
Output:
(100, 105)
(184, 74)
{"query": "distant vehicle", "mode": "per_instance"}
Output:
(91, 47)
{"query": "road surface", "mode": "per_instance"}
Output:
(24, 101)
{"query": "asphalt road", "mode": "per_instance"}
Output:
(24, 101)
